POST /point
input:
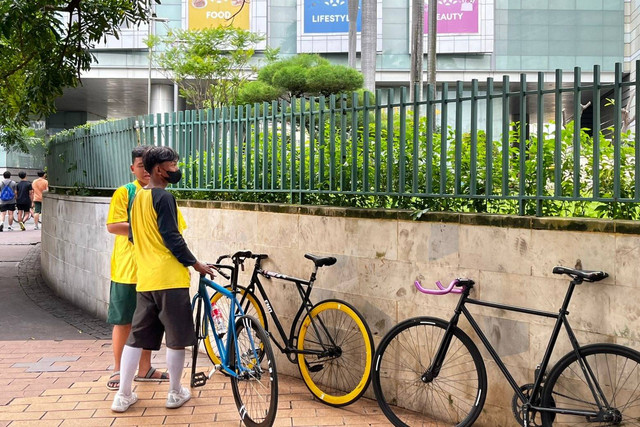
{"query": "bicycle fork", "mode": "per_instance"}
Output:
(434, 369)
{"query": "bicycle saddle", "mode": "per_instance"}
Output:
(320, 261)
(586, 275)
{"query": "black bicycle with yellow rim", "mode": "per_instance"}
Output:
(330, 341)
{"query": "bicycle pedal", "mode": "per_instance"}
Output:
(315, 368)
(198, 379)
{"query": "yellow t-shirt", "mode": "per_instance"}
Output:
(160, 250)
(123, 263)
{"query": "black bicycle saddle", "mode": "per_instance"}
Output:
(320, 261)
(586, 275)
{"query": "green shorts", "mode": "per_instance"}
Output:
(37, 207)
(122, 303)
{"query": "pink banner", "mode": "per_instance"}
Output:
(454, 16)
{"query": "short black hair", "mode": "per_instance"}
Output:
(40, 174)
(156, 155)
(138, 152)
(22, 174)
(7, 174)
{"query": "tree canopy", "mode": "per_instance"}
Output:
(45, 46)
(208, 65)
(300, 75)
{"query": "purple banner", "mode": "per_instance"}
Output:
(454, 16)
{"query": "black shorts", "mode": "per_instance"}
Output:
(163, 311)
(24, 207)
(8, 207)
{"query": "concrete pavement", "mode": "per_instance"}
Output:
(55, 360)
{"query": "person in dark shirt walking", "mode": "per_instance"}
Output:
(24, 199)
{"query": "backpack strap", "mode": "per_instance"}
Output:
(131, 189)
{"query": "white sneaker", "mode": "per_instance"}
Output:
(36, 227)
(9, 228)
(177, 399)
(121, 402)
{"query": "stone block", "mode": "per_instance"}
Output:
(382, 277)
(413, 241)
(495, 249)
(627, 267)
(277, 230)
(552, 248)
(322, 234)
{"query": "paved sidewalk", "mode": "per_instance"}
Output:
(55, 360)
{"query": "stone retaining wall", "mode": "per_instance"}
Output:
(380, 254)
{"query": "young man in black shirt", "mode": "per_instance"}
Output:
(163, 306)
(24, 199)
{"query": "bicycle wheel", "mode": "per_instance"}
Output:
(340, 370)
(255, 388)
(615, 369)
(454, 397)
(250, 306)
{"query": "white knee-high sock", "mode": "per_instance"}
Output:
(128, 364)
(175, 365)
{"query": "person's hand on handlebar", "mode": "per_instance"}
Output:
(203, 268)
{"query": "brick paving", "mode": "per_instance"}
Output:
(61, 381)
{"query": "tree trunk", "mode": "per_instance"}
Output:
(431, 53)
(353, 31)
(417, 46)
(369, 42)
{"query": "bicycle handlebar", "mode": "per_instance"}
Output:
(442, 290)
(217, 267)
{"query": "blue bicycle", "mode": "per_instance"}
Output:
(246, 353)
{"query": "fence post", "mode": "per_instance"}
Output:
(489, 145)
(523, 144)
(473, 161)
(617, 130)
(577, 127)
(540, 146)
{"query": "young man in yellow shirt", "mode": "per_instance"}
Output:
(122, 299)
(163, 302)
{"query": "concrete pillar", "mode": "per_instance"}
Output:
(161, 98)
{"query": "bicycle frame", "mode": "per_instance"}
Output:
(561, 320)
(288, 346)
(202, 298)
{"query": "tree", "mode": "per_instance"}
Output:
(352, 13)
(301, 75)
(369, 43)
(22, 139)
(210, 65)
(45, 46)
(433, 34)
(417, 49)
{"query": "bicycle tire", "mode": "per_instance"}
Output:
(255, 391)
(612, 365)
(251, 307)
(338, 379)
(455, 397)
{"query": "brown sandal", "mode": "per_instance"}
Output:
(112, 384)
(150, 378)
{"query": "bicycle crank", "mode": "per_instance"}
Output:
(534, 419)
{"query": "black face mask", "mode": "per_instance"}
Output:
(173, 177)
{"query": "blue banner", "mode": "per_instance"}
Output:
(328, 16)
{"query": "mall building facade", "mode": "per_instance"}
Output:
(477, 39)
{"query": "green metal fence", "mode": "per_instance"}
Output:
(480, 143)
